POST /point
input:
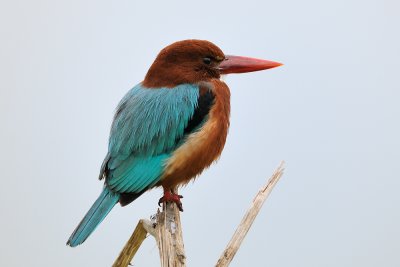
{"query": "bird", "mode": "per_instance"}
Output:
(168, 128)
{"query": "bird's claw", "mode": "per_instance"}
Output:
(171, 197)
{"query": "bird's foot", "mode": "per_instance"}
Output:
(170, 196)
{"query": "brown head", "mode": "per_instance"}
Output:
(194, 61)
(188, 61)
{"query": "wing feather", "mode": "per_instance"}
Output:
(146, 129)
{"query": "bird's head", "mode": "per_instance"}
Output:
(194, 61)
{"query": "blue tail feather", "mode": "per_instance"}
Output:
(103, 205)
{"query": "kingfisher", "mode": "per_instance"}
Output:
(167, 129)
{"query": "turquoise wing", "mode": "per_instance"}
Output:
(147, 127)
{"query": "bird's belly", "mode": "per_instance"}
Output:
(192, 157)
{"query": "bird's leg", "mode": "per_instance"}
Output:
(170, 196)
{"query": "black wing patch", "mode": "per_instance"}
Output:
(204, 104)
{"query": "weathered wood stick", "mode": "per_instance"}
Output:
(248, 218)
(133, 244)
(167, 230)
(169, 237)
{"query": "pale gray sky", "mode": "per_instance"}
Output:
(332, 113)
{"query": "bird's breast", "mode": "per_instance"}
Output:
(204, 145)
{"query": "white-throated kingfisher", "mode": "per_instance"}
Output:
(168, 128)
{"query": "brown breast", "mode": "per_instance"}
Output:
(203, 146)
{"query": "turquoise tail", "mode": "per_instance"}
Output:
(94, 217)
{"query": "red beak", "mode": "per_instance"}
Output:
(236, 64)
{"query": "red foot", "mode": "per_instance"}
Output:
(170, 196)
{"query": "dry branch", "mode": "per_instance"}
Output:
(169, 237)
(248, 218)
(133, 244)
(167, 230)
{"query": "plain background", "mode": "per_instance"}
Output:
(331, 112)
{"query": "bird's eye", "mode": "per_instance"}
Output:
(207, 60)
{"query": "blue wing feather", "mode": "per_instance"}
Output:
(136, 173)
(147, 126)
